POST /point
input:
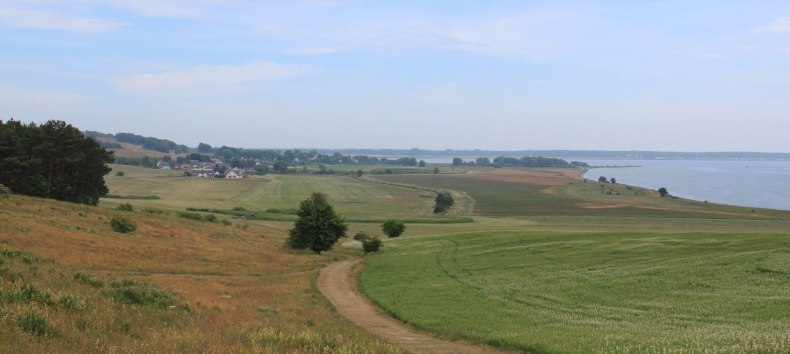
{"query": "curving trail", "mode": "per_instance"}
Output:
(337, 285)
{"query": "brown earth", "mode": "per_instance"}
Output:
(336, 283)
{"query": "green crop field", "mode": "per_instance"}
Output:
(592, 292)
(352, 197)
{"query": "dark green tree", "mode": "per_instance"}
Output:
(421, 163)
(393, 228)
(318, 226)
(280, 166)
(603, 179)
(54, 160)
(436, 170)
(444, 201)
(204, 148)
(359, 173)
(371, 244)
(663, 192)
(457, 161)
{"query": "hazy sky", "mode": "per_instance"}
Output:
(650, 75)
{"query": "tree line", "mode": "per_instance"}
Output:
(526, 161)
(161, 145)
(52, 160)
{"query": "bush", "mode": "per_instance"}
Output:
(371, 244)
(4, 191)
(663, 192)
(226, 222)
(119, 173)
(122, 224)
(86, 279)
(131, 292)
(33, 322)
(393, 228)
(125, 207)
(361, 235)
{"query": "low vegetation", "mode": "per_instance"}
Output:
(393, 228)
(614, 291)
(122, 224)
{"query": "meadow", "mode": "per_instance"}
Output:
(562, 292)
(575, 268)
(351, 196)
(69, 283)
(532, 259)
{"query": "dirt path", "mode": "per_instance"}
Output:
(337, 285)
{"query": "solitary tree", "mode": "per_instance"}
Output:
(603, 179)
(393, 228)
(457, 161)
(436, 170)
(422, 163)
(318, 226)
(444, 201)
(614, 181)
(663, 191)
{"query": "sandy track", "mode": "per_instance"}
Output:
(337, 285)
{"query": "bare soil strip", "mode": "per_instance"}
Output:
(336, 283)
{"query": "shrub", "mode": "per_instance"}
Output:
(4, 191)
(131, 292)
(33, 322)
(72, 303)
(226, 222)
(122, 224)
(119, 173)
(125, 207)
(193, 216)
(211, 218)
(371, 244)
(393, 228)
(361, 235)
(239, 209)
(663, 192)
(86, 279)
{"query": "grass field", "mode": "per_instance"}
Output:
(352, 197)
(558, 292)
(546, 263)
(557, 265)
(198, 286)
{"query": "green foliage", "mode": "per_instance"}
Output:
(161, 145)
(34, 322)
(122, 224)
(393, 228)
(131, 292)
(318, 226)
(125, 207)
(204, 148)
(4, 191)
(120, 173)
(603, 179)
(663, 192)
(53, 160)
(528, 290)
(86, 279)
(360, 235)
(436, 170)
(133, 197)
(371, 244)
(444, 201)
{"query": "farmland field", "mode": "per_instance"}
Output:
(352, 197)
(592, 292)
(554, 264)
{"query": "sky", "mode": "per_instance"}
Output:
(429, 74)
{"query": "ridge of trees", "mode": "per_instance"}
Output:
(52, 160)
(150, 143)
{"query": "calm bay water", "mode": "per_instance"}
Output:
(763, 184)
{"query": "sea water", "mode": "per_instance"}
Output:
(763, 184)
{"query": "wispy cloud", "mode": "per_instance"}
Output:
(206, 79)
(779, 25)
(23, 15)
